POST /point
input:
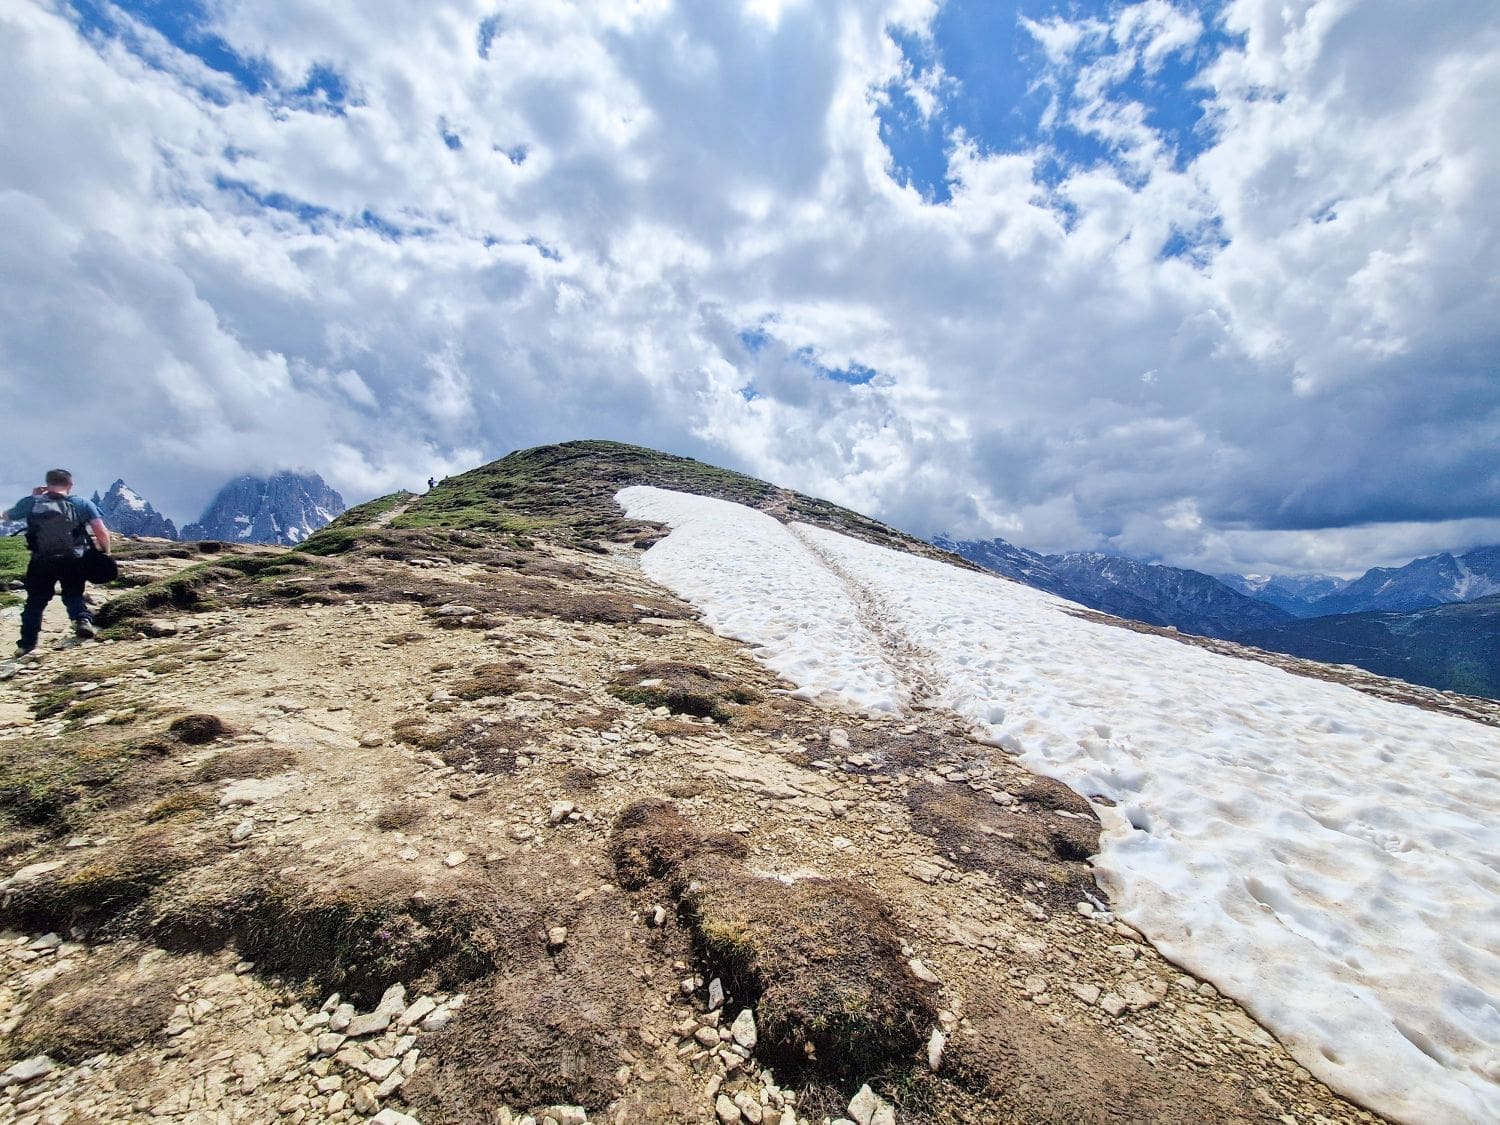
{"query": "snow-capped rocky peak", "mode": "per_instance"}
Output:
(126, 512)
(285, 508)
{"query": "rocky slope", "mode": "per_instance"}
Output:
(285, 508)
(126, 512)
(452, 816)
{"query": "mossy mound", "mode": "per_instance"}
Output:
(819, 959)
(684, 689)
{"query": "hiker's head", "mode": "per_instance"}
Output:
(59, 480)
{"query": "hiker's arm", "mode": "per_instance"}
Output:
(100, 534)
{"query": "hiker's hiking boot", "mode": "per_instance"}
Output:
(24, 650)
(85, 628)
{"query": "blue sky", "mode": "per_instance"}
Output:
(1210, 283)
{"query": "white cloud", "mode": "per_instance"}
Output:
(595, 200)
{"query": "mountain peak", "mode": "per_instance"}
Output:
(285, 508)
(126, 512)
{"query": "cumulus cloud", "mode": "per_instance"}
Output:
(387, 240)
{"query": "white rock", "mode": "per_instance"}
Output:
(935, 1045)
(393, 1000)
(743, 1029)
(749, 1108)
(715, 994)
(922, 972)
(27, 1070)
(1113, 1004)
(391, 1117)
(455, 858)
(242, 830)
(417, 1012)
(863, 1105)
(341, 1016)
(727, 1111)
(454, 609)
(568, 1114)
(365, 1101)
(557, 937)
(368, 1024)
(1088, 993)
(559, 812)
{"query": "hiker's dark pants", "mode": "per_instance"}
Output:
(42, 579)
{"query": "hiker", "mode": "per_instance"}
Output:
(431, 484)
(58, 527)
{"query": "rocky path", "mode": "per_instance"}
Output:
(392, 895)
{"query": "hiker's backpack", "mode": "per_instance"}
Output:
(53, 528)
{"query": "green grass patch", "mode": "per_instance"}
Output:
(13, 558)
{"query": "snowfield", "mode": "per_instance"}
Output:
(1328, 859)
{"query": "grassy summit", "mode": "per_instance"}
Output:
(566, 492)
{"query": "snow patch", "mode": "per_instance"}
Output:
(1325, 857)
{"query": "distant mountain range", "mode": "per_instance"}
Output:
(1158, 595)
(1295, 593)
(285, 508)
(1435, 621)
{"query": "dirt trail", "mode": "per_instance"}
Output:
(425, 746)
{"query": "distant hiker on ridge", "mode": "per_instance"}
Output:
(57, 534)
(431, 484)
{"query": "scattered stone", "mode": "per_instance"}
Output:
(1139, 997)
(922, 972)
(727, 1111)
(715, 994)
(559, 812)
(329, 1042)
(1113, 1003)
(557, 937)
(241, 831)
(381, 1069)
(743, 1029)
(454, 609)
(1088, 993)
(659, 916)
(863, 1105)
(838, 738)
(417, 1012)
(365, 1101)
(368, 1024)
(342, 1015)
(44, 944)
(392, 1117)
(27, 1070)
(567, 1114)
(749, 1107)
(454, 859)
(935, 1045)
